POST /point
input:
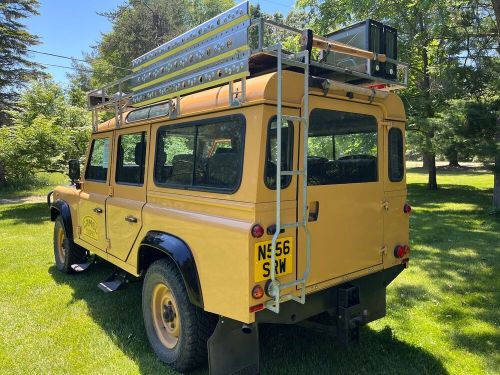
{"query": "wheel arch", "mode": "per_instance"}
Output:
(156, 245)
(60, 207)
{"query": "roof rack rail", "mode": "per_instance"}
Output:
(225, 49)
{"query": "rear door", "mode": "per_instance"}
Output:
(345, 189)
(124, 207)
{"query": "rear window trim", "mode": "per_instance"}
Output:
(197, 123)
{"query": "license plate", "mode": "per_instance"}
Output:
(283, 261)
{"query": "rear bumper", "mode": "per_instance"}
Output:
(372, 303)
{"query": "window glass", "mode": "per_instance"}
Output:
(396, 157)
(271, 154)
(97, 167)
(131, 158)
(203, 156)
(342, 148)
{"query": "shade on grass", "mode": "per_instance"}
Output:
(443, 312)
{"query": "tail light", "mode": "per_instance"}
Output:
(399, 251)
(257, 231)
(406, 208)
(257, 292)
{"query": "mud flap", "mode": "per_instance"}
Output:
(233, 348)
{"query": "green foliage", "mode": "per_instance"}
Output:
(48, 131)
(15, 68)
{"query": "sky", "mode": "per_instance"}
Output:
(70, 28)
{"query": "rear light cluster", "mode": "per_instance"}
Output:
(257, 292)
(406, 208)
(401, 250)
(257, 231)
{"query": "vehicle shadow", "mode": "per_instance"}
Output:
(284, 349)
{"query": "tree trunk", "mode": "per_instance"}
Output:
(425, 160)
(3, 180)
(432, 184)
(496, 184)
(453, 158)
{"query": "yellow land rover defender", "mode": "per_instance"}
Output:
(245, 185)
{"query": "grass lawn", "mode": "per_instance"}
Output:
(44, 182)
(443, 312)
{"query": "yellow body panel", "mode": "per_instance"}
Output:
(353, 236)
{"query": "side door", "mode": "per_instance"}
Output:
(124, 207)
(92, 203)
(345, 188)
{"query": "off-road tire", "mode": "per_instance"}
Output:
(72, 253)
(196, 325)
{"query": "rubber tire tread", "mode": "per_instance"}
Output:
(196, 324)
(74, 253)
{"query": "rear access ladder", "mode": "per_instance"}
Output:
(275, 288)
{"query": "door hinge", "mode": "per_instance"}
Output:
(110, 192)
(387, 123)
(79, 230)
(108, 243)
(383, 250)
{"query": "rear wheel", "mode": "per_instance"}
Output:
(66, 252)
(177, 330)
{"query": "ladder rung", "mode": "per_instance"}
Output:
(293, 118)
(292, 225)
(292, 173)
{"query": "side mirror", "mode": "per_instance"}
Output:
(74, 170)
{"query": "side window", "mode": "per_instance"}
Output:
(396, 157)
(342, 148)
(206, 156)
(97, 165)
(131, 158)
(271, 153)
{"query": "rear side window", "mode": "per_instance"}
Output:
(97, 166)
(396, 156)
(131, 158)
(342, 148)
(201, 156)
(271, 153)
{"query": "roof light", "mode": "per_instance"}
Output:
(257, 292)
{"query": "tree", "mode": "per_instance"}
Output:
(47, 131)
(15, 68)
(496, 187)
(141, 25)
(442, 41)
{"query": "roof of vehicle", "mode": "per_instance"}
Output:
(263, 89)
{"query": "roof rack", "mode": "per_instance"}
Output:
(230, 48)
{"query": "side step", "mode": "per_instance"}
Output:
(116, 281)
(81, 267)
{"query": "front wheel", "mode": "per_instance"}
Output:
(66, 252)
(177, 330)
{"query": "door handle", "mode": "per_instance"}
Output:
(98, 210)
(131, 219)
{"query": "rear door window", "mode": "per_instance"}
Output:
(271, 153)
(131, 158)
(97, 166)
(342, 148)
(396, 156)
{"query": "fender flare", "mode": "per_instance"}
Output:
(60, 207)
(180, 253)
